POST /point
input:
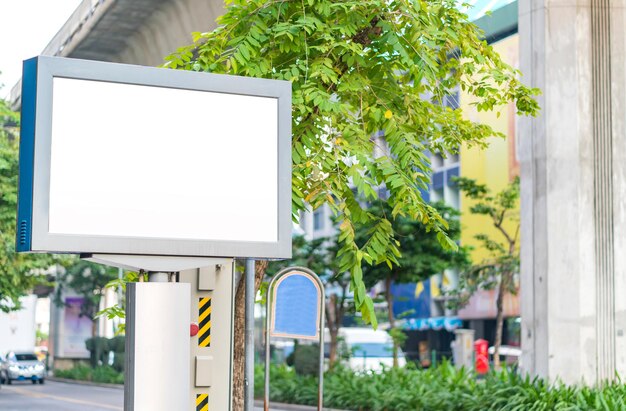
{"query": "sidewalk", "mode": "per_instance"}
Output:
(274, 406)
(258, 404)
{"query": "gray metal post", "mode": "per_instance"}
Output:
(320, 388)
(249, 367)
(158, 277)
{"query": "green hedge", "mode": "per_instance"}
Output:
(440, 388)
(101, 374)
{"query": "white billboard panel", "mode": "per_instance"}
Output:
(123, 159)
(129, 165)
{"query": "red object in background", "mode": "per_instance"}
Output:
(193, 329)
(482, 356)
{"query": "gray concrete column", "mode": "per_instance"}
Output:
(573, 274)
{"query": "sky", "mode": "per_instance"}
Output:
(26, 27)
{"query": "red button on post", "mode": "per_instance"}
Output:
(193, 330)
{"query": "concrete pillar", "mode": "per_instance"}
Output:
(573, 274)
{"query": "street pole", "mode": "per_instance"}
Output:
(158, 277)
(249, 364)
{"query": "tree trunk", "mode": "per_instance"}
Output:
(499, 322)
(392, 320)
(94, 327)
(333, 323)
(239, 343)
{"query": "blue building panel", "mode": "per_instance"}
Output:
(450, 175)
(438, 180)
(411, 300)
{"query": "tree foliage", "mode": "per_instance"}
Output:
(422, 257)
(422, 254)
(19, 273)
(502, 263)
(359, 69)
(500, 269)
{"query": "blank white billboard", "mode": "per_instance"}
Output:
(142, 161)
(133, 160)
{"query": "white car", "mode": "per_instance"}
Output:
(370, 349)
(22, 366)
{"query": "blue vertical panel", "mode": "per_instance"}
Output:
(438, 180)
(27, 155)
(450, 174)
(413, 298)
(296, 307)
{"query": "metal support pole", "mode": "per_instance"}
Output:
(158, 277)
(321, 329)
(249, 365)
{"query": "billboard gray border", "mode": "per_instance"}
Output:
(43, 241)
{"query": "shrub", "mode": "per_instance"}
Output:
(439, 388)
(306, 359)
(101, 374)
(98, 350)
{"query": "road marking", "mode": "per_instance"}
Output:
(28, 393)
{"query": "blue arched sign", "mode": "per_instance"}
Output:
(296, 306)
(295, 309)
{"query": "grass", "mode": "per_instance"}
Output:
(101, 374)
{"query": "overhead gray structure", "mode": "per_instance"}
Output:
(573, 170)
(139, 32)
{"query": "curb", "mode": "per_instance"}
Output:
(79, 382)
(257, 403)
(291, 407)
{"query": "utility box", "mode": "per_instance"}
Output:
(209, 336)
(463, 349)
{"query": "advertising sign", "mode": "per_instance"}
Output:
(121, 159)
(77, 329)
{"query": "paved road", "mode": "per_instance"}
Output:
(60, 396)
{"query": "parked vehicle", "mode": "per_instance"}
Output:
(22, 366)
(370, 349)
(509, 355)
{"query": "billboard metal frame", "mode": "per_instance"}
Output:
(35, 153)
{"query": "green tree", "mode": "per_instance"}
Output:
(88, 280)
(358, 68)
(422, 257)
(19, 273)
(498, 271)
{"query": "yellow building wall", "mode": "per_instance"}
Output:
(495, 165)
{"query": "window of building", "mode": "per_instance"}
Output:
(437, 161)
(452, 159)
(318, 219)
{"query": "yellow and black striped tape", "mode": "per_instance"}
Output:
(204, 322)
(202, 402)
